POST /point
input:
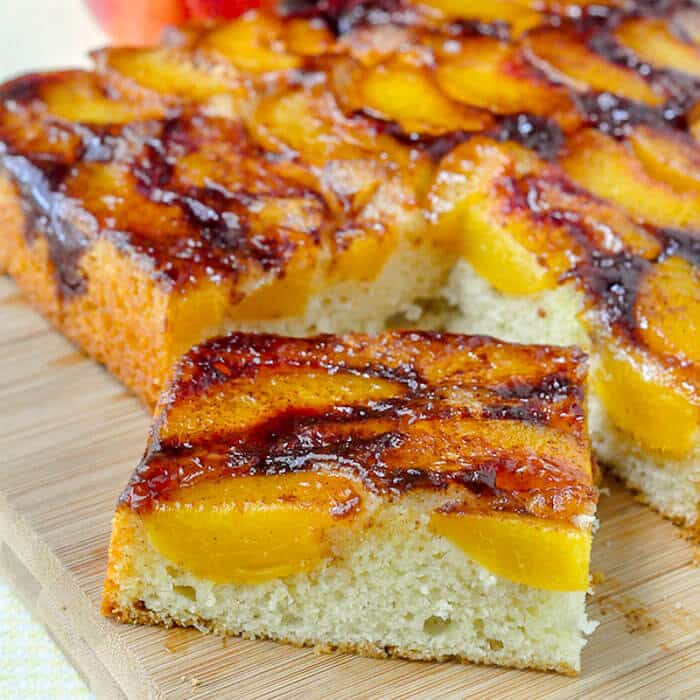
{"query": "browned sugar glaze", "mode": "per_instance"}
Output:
(152, 206)
(413, 439)
(231, 198)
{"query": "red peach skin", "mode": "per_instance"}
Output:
(142, 21)
(137, 21)
(223, 8)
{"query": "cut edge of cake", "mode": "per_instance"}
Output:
(441, 605)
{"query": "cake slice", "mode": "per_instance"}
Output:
(410, 494)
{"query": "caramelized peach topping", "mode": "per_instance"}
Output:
(268, 448)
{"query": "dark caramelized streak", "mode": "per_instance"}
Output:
(553, 396)
(380, 460)
(529, 194)
(683, 243)
(682, 91)
(551, 388)
(617, 115)
(468, 27)
(536, 133)
(343, 15)
(613, 282)
(437, 147)
(49, 214)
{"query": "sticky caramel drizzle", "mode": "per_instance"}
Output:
(428, 436)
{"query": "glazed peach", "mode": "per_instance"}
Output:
(565, 57)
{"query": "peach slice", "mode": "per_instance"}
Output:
(611, 170)
(280, 296)
(253, 43)
(166, 71)
(653, 41)
(308, 38)
(668, 309)
(567, 59)
(109, 192)
(668, 156)
(549, 555)
(407, 95)
(206, 309)
(470, 218)
(608, 228)
(299, 121)
(694, 122)
(238, 403)
(494, 75)
(78, 98)
(518, 16)
(641, 403)
(252, 528)
(196, 316)
(362, 255)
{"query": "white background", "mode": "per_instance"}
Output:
(38, 34)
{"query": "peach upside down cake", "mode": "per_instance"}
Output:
(412, 494)
(526, 169)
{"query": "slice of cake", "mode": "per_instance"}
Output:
(410, 494)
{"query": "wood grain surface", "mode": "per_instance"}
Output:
(70, 436)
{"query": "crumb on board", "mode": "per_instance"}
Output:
(598, 577)
(193, 680)
(637, 616)
(639, 620)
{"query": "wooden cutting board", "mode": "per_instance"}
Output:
(70, 436)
